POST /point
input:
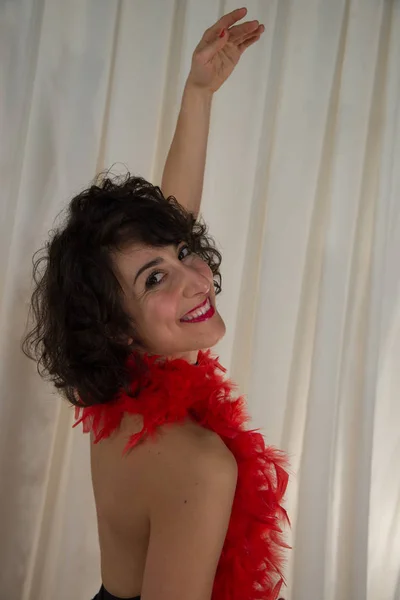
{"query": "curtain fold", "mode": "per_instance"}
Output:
(301, 194)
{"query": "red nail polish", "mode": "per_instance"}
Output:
(222, 33)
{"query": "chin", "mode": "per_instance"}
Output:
(211, 337)
(190, 338)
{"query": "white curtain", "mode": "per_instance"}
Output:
(301, 194)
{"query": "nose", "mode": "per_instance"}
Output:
(196, 284)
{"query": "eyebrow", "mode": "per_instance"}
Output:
(148, 265)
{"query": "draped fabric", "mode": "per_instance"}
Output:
(302, 197)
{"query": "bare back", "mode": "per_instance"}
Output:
(124, 489)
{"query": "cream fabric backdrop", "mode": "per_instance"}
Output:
(301, 193)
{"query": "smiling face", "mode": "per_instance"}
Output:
(158, 296)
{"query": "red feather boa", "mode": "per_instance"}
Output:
(250, 566)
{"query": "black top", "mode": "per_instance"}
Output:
(105, 595)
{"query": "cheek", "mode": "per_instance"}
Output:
(162, 307)
(203, 268)
(165, 305)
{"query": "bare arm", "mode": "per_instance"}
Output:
(183, 174)
(191, 491)
(214, 59)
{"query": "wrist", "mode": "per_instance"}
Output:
(197, 90)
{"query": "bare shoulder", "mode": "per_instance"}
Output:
(181, 447)
(190, 488)
(183, 481)
(175, 451)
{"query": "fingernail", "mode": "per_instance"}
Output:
(222, 33)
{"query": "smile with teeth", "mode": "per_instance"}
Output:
(201, 314)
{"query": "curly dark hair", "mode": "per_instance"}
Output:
(80, 330)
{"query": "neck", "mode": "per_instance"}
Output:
(191, 357)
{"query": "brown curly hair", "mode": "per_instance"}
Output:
(80, 329)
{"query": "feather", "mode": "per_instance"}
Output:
(251, 562)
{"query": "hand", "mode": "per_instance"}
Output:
(216, 56)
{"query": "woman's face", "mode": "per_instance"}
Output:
(158, 296)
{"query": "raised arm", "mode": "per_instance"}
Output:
(214, 59)
(184, 169)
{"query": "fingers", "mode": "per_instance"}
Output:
(243, 35)
(230, 19)
(224, 23)
(249, 42)
(239, 33)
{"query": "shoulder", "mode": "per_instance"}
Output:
(180, 451)
(187, 450)
(184, 457)
(190, 487)
(181, 455)
(185, 479)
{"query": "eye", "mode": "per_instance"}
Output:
(152, 282)
(187, 248)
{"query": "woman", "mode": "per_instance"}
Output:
(187, 500)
